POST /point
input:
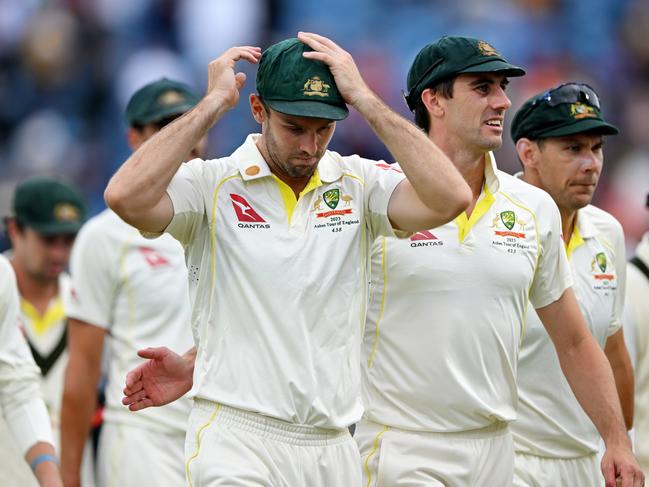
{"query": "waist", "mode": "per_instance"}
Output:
(272, 428)
(498, 428)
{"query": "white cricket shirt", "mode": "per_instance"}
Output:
(21, 402)
(550, 422)
(45, 334)
(279, 284)
(447, 310)
(137, 289)
(638, 295)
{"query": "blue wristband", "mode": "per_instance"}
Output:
(45, 457)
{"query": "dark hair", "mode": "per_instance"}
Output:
(445, 89)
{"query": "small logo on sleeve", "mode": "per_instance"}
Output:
(247, 216)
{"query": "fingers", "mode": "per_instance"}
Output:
(138, 406)
(249, 53)
(240, 79)
(155, 353)
(134, 397)
(608, 470)
(314, 41)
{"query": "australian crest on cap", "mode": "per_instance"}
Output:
(314, 86)
(171, 97)
(64, 212)
(580, 110)
(487, 49)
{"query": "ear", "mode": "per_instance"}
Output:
(12, 229)
(257, 108)
(528, 152)
(432, 102)
(134, 138)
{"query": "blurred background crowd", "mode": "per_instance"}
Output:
(68, 67)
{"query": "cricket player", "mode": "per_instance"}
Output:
(447, 306)
(46, 216)
(132, 292)
(559, 137)
(638, 293)
(279, 233)
(21, 399)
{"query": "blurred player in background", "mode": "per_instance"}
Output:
(20, 393)
(47, 214)
(133, 291)
(638, 299)
(447, 308)
(559, 140)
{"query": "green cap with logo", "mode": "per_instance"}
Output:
(159, 100)
(450, 56)
(48, 206)
(567, 109)
(294, 85)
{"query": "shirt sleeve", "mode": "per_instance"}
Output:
(20, 394)
(94, 268)
(552, 276)
(186, 191)
(381, 179)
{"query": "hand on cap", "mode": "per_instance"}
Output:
(349, 81)
(223, 83)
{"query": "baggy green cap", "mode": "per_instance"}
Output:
(291, 84)
(48, 206)
(450, 56)
(161, 99)
(567, 109)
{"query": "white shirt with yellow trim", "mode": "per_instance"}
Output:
(279, 283)
(137, 289)
(551, 423)
(46, 335)
(638, 299)
(21, 401)
(447, 310)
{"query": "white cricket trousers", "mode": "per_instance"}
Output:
(131, 456)
(534, 471)
(231, 447)
(393, 457)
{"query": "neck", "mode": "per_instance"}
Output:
(568, 222)
(39, 292)
(469, 163)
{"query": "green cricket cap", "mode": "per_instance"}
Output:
(159, 100)
(450, 56)
(294, 85)
(49, 206)
(567, 109)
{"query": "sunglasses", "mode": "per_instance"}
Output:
(568, 93)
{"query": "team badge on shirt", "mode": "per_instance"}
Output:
(334, 210)
(598, 266)
(508, 232)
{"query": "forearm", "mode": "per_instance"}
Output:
(79, 403)
(433, 176)
(46, 471)
(624, 383)
(591, 379)
(142, 180)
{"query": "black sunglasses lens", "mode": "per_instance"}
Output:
(572, 93)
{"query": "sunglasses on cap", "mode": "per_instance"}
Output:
(568, 93)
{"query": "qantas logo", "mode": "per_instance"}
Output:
(387, 167)
(153, 258)
(425, 239)
(247, 216)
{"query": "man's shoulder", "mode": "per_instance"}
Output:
(525, 194)
(602, 220)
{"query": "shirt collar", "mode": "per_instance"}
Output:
(491, 173)
(587, 228)
(252, 165)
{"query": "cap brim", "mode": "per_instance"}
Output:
(311, 109)
(494, 66)
(55, 228)
(580, 126)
